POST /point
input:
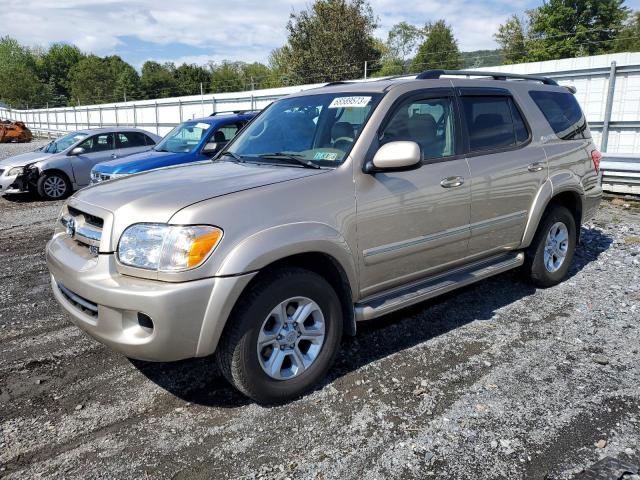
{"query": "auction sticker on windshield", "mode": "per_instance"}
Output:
(350, 102)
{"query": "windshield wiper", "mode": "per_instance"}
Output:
(235, 156)
(299, 159)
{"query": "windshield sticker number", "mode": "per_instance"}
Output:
(350, 102)
(203, 126)
(331, 156)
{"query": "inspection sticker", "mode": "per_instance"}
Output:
(331, 156)
(350, 102)
(203, 126)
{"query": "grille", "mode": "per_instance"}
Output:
(88, 218)
(82, 304)
(97, 177)
(84, 228)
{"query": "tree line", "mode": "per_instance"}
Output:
(331, 40)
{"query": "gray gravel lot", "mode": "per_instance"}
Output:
(498, 380)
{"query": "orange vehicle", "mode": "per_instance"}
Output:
(14, 132)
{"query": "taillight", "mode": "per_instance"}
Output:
(596, 156)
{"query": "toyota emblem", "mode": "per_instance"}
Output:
(71, 227)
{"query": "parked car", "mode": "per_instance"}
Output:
(191, 141)
(335, 205)
(64, 165)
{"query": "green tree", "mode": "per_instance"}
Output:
(570, 28)
(54, 67)
(512, 38)
(189, 77)
(227, 77)
(628, 40)
(403, 39)
(439, 50)
(19, 79)
(331, 41)
(158, 80)
(280, 73)
(256, 75)
(91, 81)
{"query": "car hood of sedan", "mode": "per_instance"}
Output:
(24, 159)
(141, 162)
(155, 196)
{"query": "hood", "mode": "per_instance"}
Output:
(157, 195)
(140, 162)
(25, 158)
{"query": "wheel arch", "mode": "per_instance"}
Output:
(569, 196)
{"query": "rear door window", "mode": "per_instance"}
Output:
(563, 114)
(226, 132)
(131, 140)
(493, 122)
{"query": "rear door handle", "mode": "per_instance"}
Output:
(535, 167)
(451, 182)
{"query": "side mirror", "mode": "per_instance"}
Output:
(77, 151)
(211, 147)
(395, 156)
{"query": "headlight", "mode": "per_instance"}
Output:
(167, 248)
(15, 171)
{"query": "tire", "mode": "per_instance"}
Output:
(54, 186)
(255, 316)
(549, 270)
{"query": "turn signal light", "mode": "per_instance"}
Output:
(596, 156)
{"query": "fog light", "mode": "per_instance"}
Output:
(145, 321)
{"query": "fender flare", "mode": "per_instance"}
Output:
(565, 181)
(277, 243)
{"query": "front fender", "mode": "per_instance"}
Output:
(277, 243)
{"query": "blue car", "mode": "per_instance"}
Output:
(191, 141)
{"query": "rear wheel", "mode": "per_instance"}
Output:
(549, 257)
(54, 186)
(282, 337)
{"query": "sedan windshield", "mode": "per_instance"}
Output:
(63, 143)
(184, 138)
(313, 129)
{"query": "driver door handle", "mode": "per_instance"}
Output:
(451, 182)
(113, 155)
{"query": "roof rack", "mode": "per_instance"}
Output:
(237, 112)
(435, 74)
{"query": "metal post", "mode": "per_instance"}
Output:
(135, 120)
(251, 102)
(48, 125)
(604, 142)
(213, 104)
(88, 119)
(115, 110)
(100, 115)
(180, 109)
(365, 70)
(157, 126)
(75, 117)
(202, 98)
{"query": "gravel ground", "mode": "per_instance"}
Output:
(498, 380)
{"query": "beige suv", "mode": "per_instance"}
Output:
(333, 206)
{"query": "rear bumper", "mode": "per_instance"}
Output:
(591, 202)
(188, 317)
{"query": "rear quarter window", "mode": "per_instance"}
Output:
(563, 114)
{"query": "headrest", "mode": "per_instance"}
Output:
(341, 130)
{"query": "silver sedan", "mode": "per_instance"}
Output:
(64, 165)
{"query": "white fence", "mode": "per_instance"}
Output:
(608, 88)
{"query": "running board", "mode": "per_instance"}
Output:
(406, 296)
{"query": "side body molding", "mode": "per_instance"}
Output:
(273, 244)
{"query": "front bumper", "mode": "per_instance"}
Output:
(6, 183)
(188, 317)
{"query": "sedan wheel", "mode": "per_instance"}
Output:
(53, 186)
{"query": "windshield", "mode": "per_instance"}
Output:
(64, 142)
(316, 128)
(184, 138)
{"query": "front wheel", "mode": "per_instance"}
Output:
(282, 337)
(549, 257)
(53, 186)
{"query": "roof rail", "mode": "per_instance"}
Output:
(434, 74)
(237, 112)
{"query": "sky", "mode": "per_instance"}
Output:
(198, 31)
